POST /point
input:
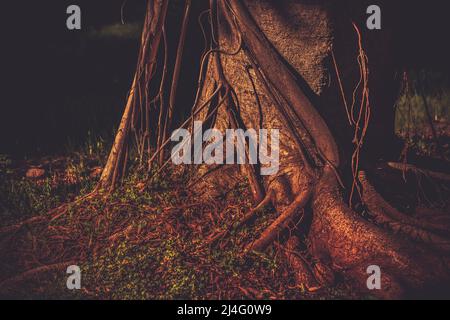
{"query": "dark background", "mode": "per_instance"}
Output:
(60, 86)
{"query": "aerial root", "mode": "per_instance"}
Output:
(271, 233)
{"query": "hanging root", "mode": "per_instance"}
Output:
(294, 107)
(276, 72)
(138, 95)
(363, 110)
(338, 238)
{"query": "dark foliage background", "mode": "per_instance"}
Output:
(60, 86)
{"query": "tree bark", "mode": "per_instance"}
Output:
(286, 69)
(150, 39)
(310, 69)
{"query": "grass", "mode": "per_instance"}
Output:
(65, 178)
(412, 123)
(142, 243)
(411, 114)
(148, 241)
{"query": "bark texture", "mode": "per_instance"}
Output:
(284, 78)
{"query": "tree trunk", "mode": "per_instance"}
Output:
(285, 78)
(312, 70)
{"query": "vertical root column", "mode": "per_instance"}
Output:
(150, 40)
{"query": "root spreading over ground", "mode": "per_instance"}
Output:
(163, 232)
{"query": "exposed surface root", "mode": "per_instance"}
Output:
(31, 274)
(280, 223)
(248, 217)
(352, 244)
(165, 235)
(414, 169)
(252, 213)
(196, 236)
(386, 213)
(49, 216)
(301, 266)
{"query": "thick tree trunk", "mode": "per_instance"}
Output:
(312, 70)
(285, 78)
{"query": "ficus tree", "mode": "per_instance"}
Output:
(313, 70)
